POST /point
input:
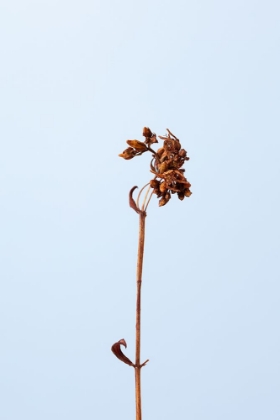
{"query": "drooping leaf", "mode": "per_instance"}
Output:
(132, 201)
(116, 349)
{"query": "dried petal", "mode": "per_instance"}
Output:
(138, 145)
(116, 349)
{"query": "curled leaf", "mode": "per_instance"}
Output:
(132, 201)
(116, 349)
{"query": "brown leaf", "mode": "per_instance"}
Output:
(116, 349)
(132, 202)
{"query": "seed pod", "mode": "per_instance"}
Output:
(181, 195)
(160, 151)
(188, 193)
(138, 145)
(154, 183)
(157, 192)
(168, 145)
(162, 167)
(183, 153)
(163, 187)
(177, 145)
(128, 153)
(167, 196)
(147, 132)
(162, 202)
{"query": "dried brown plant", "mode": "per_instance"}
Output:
(169, 178)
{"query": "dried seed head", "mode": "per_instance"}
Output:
(166, 165)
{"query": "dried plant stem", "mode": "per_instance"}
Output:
(168, 178)
(138, 366)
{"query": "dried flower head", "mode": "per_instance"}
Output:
(166, 166)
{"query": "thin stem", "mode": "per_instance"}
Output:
(146, 195)
(152, 192)
(138, 366)
(139, 194)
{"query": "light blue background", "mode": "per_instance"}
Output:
(77, 80)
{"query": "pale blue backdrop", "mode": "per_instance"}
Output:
(77, 79)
